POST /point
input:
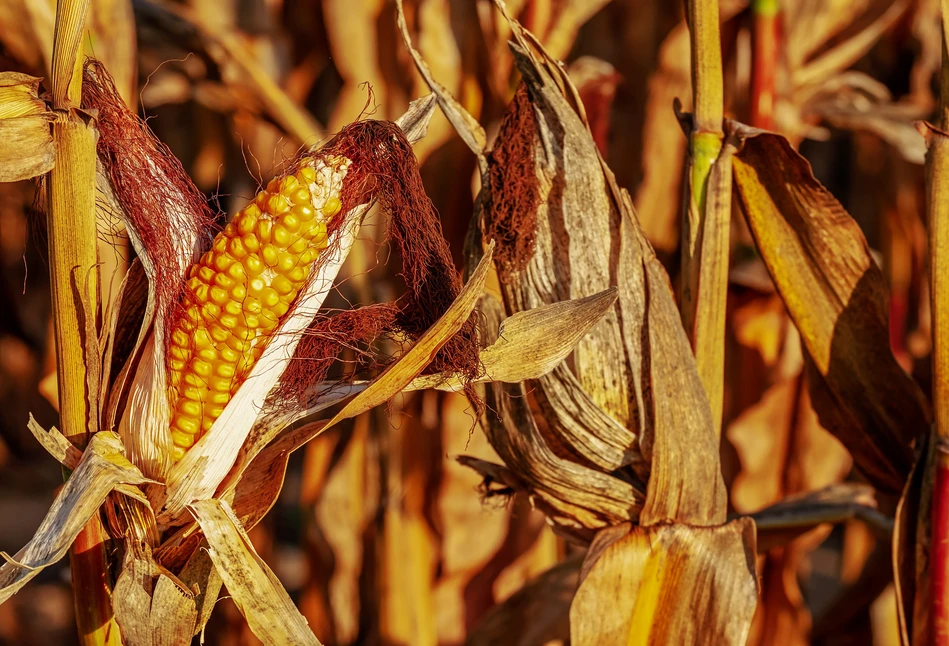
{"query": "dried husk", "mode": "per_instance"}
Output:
(834, 291)
(26, 142)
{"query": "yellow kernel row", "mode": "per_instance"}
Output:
(241, 287)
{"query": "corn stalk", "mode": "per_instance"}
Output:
(707, 209)
(938, 200)
(74, 287)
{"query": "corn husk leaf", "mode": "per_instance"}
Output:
(643, 585)
(26, 142)
(255, 589)
(835, 293)
(100, 470)
(151, 607)
(531, 343)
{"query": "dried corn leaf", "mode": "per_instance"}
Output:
(200, 576)
(911, 551)
(834, 292)
(151, 607)
(255, 589)
(101, 469)
(784, 521)
(667, 584)
(531, 343)
(26, 143)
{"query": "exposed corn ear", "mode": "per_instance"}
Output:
(241, 288)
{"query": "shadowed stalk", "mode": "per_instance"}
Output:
(938, 201)
(764, 38)
(705, 242)
(74, 286)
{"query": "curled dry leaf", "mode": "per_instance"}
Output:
(101, 469)
(835, 293)
(667, 584)
(26, 142)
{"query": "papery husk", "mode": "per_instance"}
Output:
(26, 142)
(834, 292)
(667, 584)
(101, 469)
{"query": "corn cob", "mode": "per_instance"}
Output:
(241, 287)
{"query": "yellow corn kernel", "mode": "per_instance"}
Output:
(237, 294)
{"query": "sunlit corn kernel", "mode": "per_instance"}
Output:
(206, 274)
(223, 281)
(273, 185)
(237, 249)
(181, 339)
(239, 293)
(183, 439)
(281, 308)
(331, 207)
(289, 221)
(178, 355)
(251, 243)
(220, 398)
(226, 370)
(213, 411)
(281, 285)
(236, 345)
(220, 244)
(269, 255)
(269, 297)
(194, 394)
(206, 424)
(298, 274)
(246, 221)
(268, 319)
(236, 271)
(308, 173)
(189, 408)
(263, 230)
(230, 230)
(287, 263)
(230, 321)
(303, 211)
(210, 311)
(208, 354)
(233, 307)
(202, 339)
(194, 380)
(299, 246)
(254, 266)
(177, 452)
(218, 333)
(308, 256)
(206, 259)
(256, 286)
(219, 384)
(201, 292)
(281, 236)
(253, 304)
(202, 368)
(222, 263)
(301, 196)
(288, 185)
(218, 296)
(251, 321)
(277, 204)
(228, 357)
(193, 313)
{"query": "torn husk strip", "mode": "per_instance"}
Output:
(255, 589)
(26, 144)
(101, 469)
